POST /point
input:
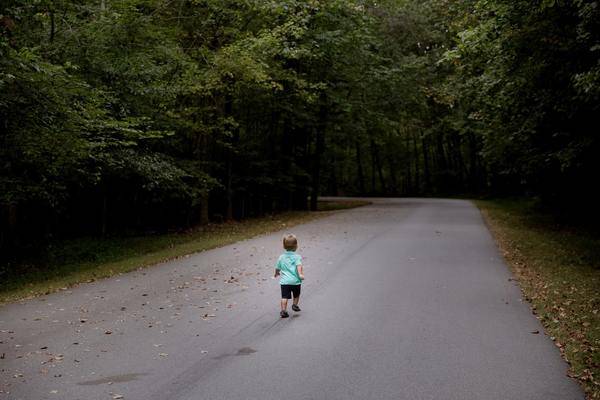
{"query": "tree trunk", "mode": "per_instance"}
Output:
(228, 186)
(474, 171)
(426, 172)
(417, 166)
(408, 186)
(459, 161)
(373, 168)
(316, 175)
(441, 154)
(359, 167)
(204, 209)
(334, 182)
(137, 213)
(286, 153)
(229, 160)
(393, 178)
(320, 146)
(377, 161)
(104, 221)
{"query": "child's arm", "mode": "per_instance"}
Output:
(277, 269)
(300, 271)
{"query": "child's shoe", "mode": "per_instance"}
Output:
(284, 314)
(295, 308)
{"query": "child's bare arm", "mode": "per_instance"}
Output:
(301, 272)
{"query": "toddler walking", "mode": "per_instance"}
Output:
(289, 267)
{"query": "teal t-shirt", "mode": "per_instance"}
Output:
(288, 268)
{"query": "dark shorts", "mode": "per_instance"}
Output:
(287, 290)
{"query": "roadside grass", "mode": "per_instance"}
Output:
(88, 259)
(558, 269)
(333, 205)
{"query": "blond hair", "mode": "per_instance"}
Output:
(290, 242)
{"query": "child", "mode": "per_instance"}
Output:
(289, 266)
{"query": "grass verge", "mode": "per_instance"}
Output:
(88, 259)
(558, 269)
(333, 205)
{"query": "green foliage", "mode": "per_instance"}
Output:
(528, 75)
(154, 114)
(42, 108)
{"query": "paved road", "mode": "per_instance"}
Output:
(404, 299)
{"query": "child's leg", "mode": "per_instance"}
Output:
(286, 294)
(296, 293)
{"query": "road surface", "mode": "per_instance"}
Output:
(403, 299)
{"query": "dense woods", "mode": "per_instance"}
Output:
(146, 115)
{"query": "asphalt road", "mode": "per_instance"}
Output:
(403, 299)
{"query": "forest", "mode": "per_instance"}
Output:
(128, 116)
